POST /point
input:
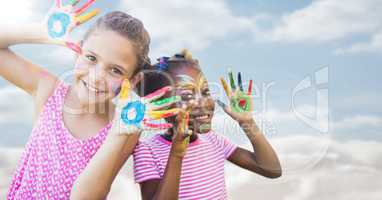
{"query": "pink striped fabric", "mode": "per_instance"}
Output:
(202, 174)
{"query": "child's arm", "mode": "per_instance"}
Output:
(23, 73)
(15, 69)
(263, 160)
(96, 179)
(168, 187)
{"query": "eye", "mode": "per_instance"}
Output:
(206, 92)
(117, 71)
(186, 95)
(91, 58)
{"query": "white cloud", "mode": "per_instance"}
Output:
(314, 168)
(18, 11)
(177, 24)
(346, 171)
(331, 20)
(374, 45)
(358, 121)
(16, 106)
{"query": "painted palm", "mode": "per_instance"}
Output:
(64, 17)
(141, 114)
(240, 101)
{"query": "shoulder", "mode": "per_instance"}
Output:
(46, 86)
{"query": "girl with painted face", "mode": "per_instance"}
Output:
(73, 120)
(196, 171)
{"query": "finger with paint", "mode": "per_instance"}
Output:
(225, 87)
(63, 18)
(141, 114)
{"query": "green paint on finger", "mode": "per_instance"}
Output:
(165, 101)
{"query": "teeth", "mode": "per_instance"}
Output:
(91, 88)
(202, 117)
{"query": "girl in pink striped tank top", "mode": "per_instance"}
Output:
(187, 162)
(73, 119)
(197, 170)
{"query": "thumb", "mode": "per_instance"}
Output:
(226, 108)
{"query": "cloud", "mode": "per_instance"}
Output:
(341, 172)
(18, 11)
(177, 24)
(374, 45)
(16, 106)
(314, 168)
(358, 121)
(325, 21)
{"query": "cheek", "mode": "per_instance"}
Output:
(115, 86)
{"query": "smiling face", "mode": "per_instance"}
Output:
(107, 58)
(192, 87)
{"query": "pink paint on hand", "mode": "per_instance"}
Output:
(84, 7)
(76, 48)
(158, 92)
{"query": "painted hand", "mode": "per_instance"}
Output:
(63, 18)
(241, 103)
(181, 137)
(134, 116)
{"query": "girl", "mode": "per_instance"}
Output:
(72, 120)
(188, 164)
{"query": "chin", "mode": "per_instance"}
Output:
(204, 128)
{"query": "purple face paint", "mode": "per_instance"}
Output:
(115, 86)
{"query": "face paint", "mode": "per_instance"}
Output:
(204, 127)
(184, 79)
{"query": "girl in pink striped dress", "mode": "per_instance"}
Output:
(72, 120)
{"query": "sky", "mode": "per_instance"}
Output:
(315, 65)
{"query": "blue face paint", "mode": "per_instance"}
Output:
(64, 21)
(139, 109)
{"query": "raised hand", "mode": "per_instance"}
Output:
(63, 18)
(182, 134)
(133, 116)
(241, 102)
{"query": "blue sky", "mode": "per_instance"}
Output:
(279, 42)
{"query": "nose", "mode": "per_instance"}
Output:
(199, 102)
(97, 74)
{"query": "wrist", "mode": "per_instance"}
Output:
(249, 125)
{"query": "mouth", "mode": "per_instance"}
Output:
(92, 88)
(202, 117)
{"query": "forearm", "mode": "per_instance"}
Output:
(264, 154)
(95, 181)
(169, 186)
(32, 33)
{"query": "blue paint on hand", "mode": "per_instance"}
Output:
(139, 109)
(63, 19)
